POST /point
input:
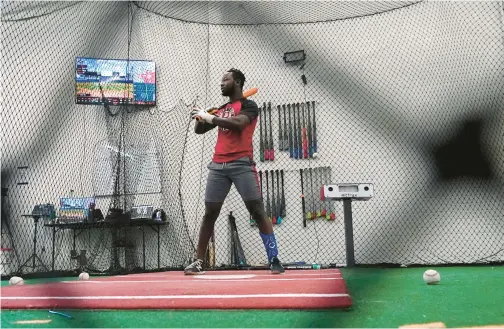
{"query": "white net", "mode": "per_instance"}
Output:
(408, 96)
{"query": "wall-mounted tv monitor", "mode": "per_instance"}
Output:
(115, 81)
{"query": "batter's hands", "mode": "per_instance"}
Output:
(202, 115)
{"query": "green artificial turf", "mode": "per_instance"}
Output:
(467, 296)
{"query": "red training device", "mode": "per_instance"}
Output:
(322, 196)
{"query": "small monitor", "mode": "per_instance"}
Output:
(74, 207)
(115, 81)
(141, 212)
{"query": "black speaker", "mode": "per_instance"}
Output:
(161, 212)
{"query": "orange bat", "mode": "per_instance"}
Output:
(247, 93)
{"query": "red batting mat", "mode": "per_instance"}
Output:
(258, 289)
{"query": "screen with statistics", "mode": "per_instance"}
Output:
(115, 81)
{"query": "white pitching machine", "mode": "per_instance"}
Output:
(347, 192)
(358, 191)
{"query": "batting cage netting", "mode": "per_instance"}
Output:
(404, 95)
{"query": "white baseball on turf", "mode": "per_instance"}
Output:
(84, 276)
(431, 277)
(16, 281)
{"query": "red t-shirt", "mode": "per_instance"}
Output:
(232, 145)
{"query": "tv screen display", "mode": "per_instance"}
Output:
(115, 81)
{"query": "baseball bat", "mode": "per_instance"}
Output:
(274, 207)
(310, 146)
(211, 256)
(279, 198)
(233, 245)
(314, 129)
(280, 133)
(265, 114)
(271, 150)
(328, 203)
(305, 140)
(294, 132)
(261, 145)
(291, 144)
(252, 221)
(209, 251)
(302, 197)
(260, 182)
(283, 210)
(319, 174)
(299, 133)
(316, 196)
(330, 214)
(308, 214)
(240, 254)
(325, 171)
(238, 249)
(285, 138)
(268, 205)
(313, 207)
(247, 93)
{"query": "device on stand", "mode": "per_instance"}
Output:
(347, 193)
(44, 211)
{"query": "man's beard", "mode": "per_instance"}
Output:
(227, 91)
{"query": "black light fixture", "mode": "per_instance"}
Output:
(294, 56)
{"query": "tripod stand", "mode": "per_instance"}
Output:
(34, 257)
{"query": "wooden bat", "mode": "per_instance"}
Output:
(291, 144)
(266, 149)
(274, 209)
(314, 129)
(247, 93)
(302, 197)
(271, 150)
(211, 251)
(310, 146)
(305, 140)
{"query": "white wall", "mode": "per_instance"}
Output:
(386, 87)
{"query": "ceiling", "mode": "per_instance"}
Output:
(225, 12)
(268, 12)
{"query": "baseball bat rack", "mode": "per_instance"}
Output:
(313, 207)
(273, 192)
(297, 131)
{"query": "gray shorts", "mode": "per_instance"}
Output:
(241, 172)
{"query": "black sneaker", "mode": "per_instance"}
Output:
(276, 267)
(195, 268)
